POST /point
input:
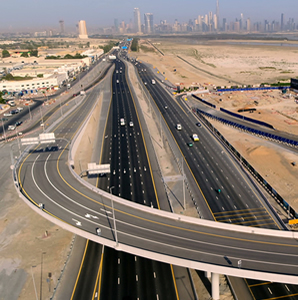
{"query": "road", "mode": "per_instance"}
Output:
(45, 176)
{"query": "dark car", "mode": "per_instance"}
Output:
(19, 123)
(199, 124)
(190, 144)
(14, 112)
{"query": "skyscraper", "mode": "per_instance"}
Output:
(82, 30)
(217, 14)
(137, 20)
(148, 17)
(282, 22)
(61, 22)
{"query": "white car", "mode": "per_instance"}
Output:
(195, 137)
(130, 124)
(117, 81)
(11, 127)
(8, 114)
(20, 108)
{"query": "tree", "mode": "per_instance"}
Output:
(24, 54)
(5, 53)
(34, 53)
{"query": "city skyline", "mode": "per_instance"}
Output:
(47, 15)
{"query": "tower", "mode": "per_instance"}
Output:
(217, 14)
(61, 22)
(137, 21)
(82, 30)
(148, 17)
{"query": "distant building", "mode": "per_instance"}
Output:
(116, 25)
(137, 21)
(282, 22)
(82, 30)
(148, 18)
(61, 22)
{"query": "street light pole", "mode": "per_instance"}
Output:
(40, 295)
(34, 282)
(114, 220)
(183, 184)
(4, 130)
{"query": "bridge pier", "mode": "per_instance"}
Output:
(208, 274)
(215, 286)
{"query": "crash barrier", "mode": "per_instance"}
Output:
(255, 89)
(246, 118)
(204, 101)
(273, 193)
(259, 133)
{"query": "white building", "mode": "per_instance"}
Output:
(82, 30)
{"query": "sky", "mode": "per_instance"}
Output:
(27, 15)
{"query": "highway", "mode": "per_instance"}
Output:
(259, 290)
(44, 175)
(118, 275)
(239, 201)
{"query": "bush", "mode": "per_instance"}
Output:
(134, 45)
(5, 53)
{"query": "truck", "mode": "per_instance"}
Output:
(153, 81)
(82, 93)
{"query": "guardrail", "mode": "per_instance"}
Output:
(259, 133)
(246, 118)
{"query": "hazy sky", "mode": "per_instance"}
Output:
(45, 14)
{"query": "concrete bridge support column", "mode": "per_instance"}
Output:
(215, 286)
(208, 274)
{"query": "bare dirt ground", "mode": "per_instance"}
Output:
(265, 64)
(229, 63)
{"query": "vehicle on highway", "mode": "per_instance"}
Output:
(19, 123)
(131, 124)
(145, 83)
(153, 81)
(11, 127)
(98, 231)
(189, 144)
(178, 126)
(14, 112)
(4, 119)
(11, 103)
(117, 81)
(117, 71)
(8, 114)
(20, 108)
(122, 122)
(166, 107)
(195, 137)
(199, 124)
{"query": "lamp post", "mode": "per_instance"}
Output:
(4, 130)
(41, 264)
(114, 220)
(34, 283)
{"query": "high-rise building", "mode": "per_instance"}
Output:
(61, 22)
(282, 22)
(217, 14)
(241, 21)
(137, 20)
(82, 30)
(148, 17)
(248, 25)
(116, 25)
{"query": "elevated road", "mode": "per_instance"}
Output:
(45, 177)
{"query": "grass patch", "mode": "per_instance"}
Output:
(286, 72)
(267, 68)
(147, 49)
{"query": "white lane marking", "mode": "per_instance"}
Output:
(106, 211)
(118, 280)
(287, 288)
(119, 261)
(154, 274)
(78, 223)
(269, 291)
(137, 278)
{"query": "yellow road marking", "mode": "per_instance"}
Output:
(236, 211)
(82, 262)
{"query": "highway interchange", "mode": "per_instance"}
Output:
(49, 174)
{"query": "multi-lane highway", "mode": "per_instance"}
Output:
(123, 275)
(44, 177)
